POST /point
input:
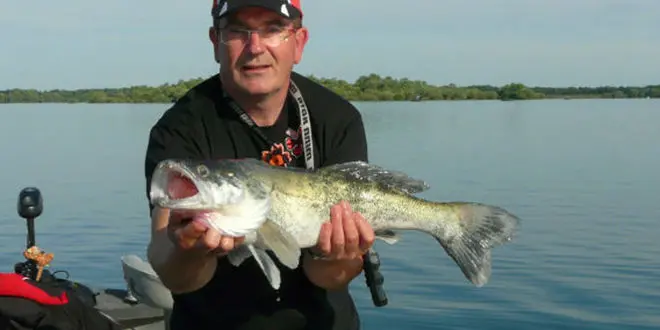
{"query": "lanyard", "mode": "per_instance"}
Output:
(305, 124)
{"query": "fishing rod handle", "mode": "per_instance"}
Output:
(375, 278)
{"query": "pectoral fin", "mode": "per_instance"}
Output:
(283, 244)
(388, 236)
(267, 266)
(239, 254)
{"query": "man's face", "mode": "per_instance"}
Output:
(257, 63)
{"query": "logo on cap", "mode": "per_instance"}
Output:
(223, 9)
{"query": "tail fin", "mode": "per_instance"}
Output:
(480, 228)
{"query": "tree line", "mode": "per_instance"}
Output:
(371, 87)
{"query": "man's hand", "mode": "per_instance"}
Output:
(188, 233)
(342, 241)
(347, 236)
(191, 234)
(183, 251)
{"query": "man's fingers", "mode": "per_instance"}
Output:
(239, 240)
(211, 239)
(367, 236)
(227, 243)
(222, 249)
(337, 231)
(325, 236)
(193, 233)
(187, 233)
(351, 234)
(193, 229)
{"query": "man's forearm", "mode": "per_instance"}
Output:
(179, 271)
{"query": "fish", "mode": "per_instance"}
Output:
(282, 209)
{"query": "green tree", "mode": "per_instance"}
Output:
(372, 87)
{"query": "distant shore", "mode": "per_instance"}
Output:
(366, 88)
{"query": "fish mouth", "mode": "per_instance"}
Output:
(173, 186)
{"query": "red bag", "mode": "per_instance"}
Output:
(27, 304)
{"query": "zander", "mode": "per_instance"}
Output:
(282, 209)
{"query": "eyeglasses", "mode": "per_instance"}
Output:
(271, 36)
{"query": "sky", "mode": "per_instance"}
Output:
(71, 44)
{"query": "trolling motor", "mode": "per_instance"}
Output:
(30, 206)
(374, 278)
(37, 299)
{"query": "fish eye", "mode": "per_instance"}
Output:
(203, 171)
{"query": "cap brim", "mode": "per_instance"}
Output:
(272, 5)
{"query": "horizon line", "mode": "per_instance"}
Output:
(186, 80)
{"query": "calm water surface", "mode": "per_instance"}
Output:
(582, 175)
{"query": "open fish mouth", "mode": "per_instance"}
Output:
(189, 185)
(174, 186)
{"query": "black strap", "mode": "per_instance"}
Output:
(305, 124)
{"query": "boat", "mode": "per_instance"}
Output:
(144, 304)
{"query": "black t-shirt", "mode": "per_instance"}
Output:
(201, 125)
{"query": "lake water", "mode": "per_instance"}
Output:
(583, 175)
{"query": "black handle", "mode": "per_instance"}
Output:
(30, 205)
(374, 278)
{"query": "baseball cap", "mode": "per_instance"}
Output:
(288, 8)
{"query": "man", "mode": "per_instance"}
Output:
(258, 107)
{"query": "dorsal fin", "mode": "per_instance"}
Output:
(365, 172)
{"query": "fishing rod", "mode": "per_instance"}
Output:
(374, 278)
